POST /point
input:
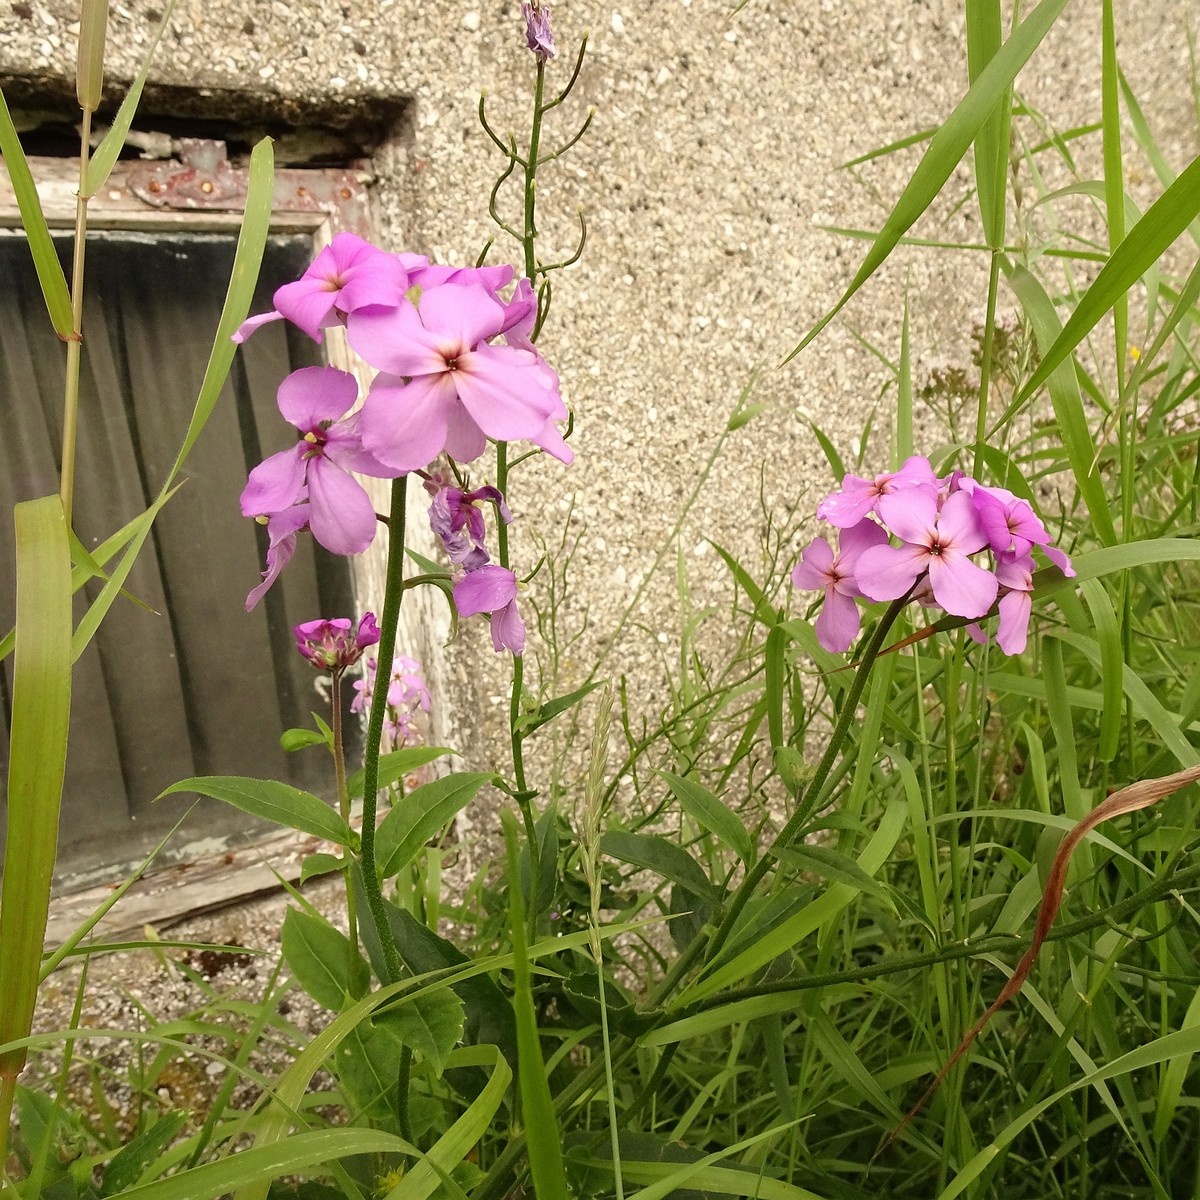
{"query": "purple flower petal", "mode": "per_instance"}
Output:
(311, 395)
(395, 341)
(461, 314)
(856, 539)
(342, 516)
(248, 326)
(488, 590)
(887, 572)
(282, 529)
(276, 483)
(505, 392)
(404, 425)
(838, 623)
(508, 630)
(958, 525)
(1013, 632)
(911, 513)
(959, 586)
(814, 569)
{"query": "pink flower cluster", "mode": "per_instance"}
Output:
(455, 366)
(407, 697)
(941, 525)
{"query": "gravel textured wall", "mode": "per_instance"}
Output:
(710, 167)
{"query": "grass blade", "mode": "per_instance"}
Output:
(103, 160)
(252, 240)
(542, 1133)
(41, 710)
(947, 148)
(1142, 247)
(37, 232)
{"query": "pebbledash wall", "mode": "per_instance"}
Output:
(710, 168)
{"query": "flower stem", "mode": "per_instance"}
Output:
(393, 593)
(531, 166)
(804, 808)
(343, 795)
(75, 342)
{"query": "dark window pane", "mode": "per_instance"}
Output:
(203, 688)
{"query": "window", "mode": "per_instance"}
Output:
(202, 688)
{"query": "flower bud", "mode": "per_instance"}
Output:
(330, 645)
(89, 68)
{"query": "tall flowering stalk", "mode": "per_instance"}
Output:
(456, 367)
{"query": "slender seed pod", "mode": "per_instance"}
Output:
(89, 70)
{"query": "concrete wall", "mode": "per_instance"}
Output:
(710, 165)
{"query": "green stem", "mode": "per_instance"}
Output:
(804, 808)
(75, 342)
(8, 1091)
(531, 166)
(985, 364)
(343, 795)
(385, 651)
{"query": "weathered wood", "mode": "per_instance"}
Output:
(187, 889)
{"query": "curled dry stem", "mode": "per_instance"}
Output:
(1133, 798)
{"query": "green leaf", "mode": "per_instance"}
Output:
(37, 232)
(833, 865)
(1141, 248)
(489, 1015)
(298, 739)
(273, 801)
(319, 864)
(323, 960)
(367, 1065)
(107, 153)
(394, 766)
(432, 1025)
(711, 814)
(948, 146)
(542, 1132)
(664, 858)
(41, 709)
(420, 815)
(551, 709)
(129, 1164)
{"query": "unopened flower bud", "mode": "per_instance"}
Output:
(331, 645)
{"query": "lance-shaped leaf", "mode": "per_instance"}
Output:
(41, 709)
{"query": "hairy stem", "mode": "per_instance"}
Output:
(393, 594)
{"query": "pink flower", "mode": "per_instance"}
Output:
(935, 541)
(444, 387)
(457, 518)
(282, 528)
(331, 645)
(492, 589)
(838, 623)
(860, 497)
(347, 275)
(538, 35)
(340, 512)
(1015, 577)
(407, 696)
